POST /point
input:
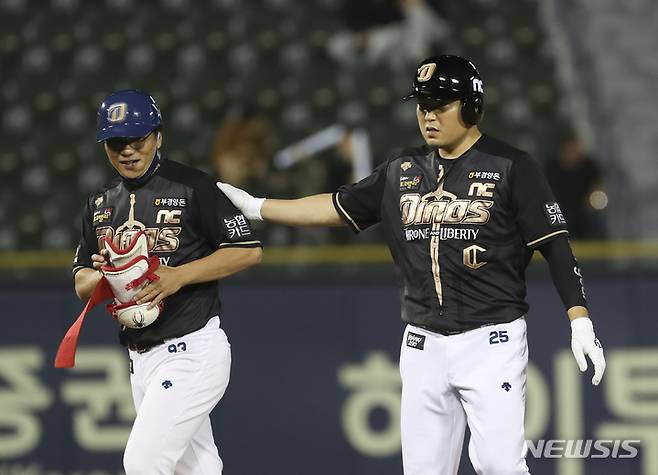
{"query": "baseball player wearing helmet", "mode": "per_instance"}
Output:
(462, 216)
(179, 363)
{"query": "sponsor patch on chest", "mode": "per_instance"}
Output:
(414, 340)
(102, 215)
(409, 183)
(443, 233)
(169, 201)
(484, 175)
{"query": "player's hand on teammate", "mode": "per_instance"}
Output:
(170, 281)
(584, 342)
(249, 205)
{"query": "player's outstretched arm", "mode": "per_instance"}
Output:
(315, 210)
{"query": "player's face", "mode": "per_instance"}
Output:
(440, 122)
(131, 157)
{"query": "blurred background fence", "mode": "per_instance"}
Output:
(287, 98)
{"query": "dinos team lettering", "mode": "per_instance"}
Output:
(427, 210)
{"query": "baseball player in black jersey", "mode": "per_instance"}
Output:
(462, 216)
(180, 363)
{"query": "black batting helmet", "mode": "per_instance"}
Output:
(451, 77)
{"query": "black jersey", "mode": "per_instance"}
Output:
(185, 217)
(461, 234)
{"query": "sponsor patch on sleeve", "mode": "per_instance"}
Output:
(236, 227)
(414, 340)
(554, 214)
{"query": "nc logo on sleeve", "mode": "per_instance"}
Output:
(414, 340)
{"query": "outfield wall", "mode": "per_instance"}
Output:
(314, 385)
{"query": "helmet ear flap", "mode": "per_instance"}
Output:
(471, 110)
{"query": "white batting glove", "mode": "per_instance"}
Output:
(249, 205)
(584, 342)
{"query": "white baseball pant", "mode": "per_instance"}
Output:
(476, 378)
(175, 386)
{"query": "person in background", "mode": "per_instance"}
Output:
(242, 149)
(577, 182)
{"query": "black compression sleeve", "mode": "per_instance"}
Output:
(565, 272)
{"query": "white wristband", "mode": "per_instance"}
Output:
(255, 205)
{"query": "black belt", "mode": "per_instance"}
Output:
(144, 347)
(450, 332)
(436, 330)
